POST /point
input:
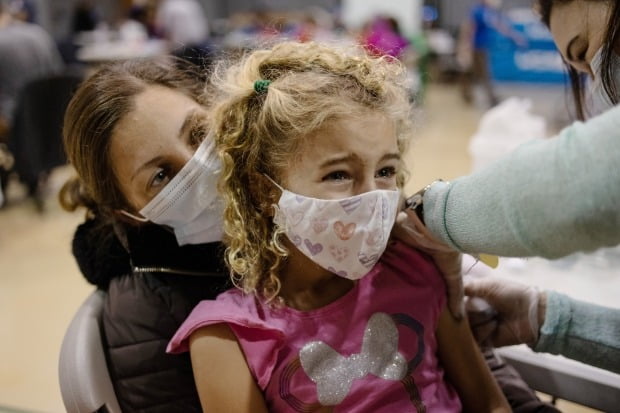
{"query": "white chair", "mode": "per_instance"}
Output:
(85, 382)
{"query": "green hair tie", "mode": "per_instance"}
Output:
(261, 86)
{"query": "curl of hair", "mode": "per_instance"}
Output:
(74, 195)
(311, 85)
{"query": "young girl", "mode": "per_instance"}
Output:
(311, 140)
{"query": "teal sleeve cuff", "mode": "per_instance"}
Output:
(434, 204)
(581, 331)
(556, 325)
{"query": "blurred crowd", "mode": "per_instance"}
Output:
(148, 28)
(99, 33)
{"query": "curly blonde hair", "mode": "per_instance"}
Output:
(259, 132)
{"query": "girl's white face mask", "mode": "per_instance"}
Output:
(344, 236)
(599, 100)
(190, 203)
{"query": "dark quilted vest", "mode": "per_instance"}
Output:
(151, 291)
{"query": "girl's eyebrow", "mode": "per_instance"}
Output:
(388, 156)
(352, 157)
(337, 160)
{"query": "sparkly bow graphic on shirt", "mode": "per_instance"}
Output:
(334, 373)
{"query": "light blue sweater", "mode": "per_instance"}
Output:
(581, 331)
(548, 198)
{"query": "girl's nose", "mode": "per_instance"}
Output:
(367, 185)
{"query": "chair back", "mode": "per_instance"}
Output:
(85, 382)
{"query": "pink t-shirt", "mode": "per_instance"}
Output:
(372, 350)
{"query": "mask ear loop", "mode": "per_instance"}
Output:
(274, 182)
(132, 216)
(277, 213)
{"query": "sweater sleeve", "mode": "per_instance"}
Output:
(547, 198)
(581, 331)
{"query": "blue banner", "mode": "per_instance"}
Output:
(538, 62)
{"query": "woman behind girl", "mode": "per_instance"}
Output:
(131, 132)
(311, 140)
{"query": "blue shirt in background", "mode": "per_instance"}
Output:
(485, 18)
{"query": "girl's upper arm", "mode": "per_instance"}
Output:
(466, 368)
(223, 377)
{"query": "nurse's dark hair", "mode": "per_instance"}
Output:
(92, 115)
(611, 41)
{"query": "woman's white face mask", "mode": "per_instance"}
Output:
(598, 99)
(190, 203)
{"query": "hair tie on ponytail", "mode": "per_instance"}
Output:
(261, 86)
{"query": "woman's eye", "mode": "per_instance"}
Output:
(581, 54)
(336, 176)
(387, 172)
(160, 179)
(580, 63)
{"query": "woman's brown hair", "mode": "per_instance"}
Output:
(100, 102)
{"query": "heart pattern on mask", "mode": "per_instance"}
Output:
(349, 205)
(319, 225)
(341, 273)
(296, 240)
(373, 207)
(367, 260)
(384, 210)
(339, 253)
(344, 231)
(320, 206)
(346, 236)
(295, 218)
(313, 248)
(374, 238)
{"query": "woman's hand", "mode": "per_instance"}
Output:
(410, 229)
(519, 311)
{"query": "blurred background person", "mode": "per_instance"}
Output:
(143, 12)
(184, 25)
(182, 22)
(475, 38)
(383, 38)
(24, 10)
(85, 17)
(27, 53)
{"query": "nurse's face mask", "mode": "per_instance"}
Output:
(599, 100)
(189, 203)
